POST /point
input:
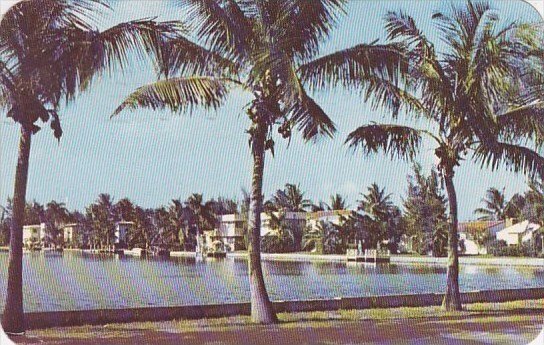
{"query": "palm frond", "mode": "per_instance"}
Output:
(85, 54)
(305, 23)
(311, 119)
(182, 57)
(526, 121)
(397, 141)
(178, 94)
(513, 157)
(352, 66)
(223, 27)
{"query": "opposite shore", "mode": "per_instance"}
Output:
(395, 259)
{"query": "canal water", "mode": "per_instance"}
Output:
(75, 281)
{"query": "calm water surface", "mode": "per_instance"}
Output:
(73, 281)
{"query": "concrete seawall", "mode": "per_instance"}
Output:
(402, 259)
(99, 317)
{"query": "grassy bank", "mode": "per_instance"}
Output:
(500, 321)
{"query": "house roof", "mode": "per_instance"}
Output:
(520, 228)
(479, 225)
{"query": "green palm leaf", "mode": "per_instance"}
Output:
(306, 23)
(513, 157)
(224, 28)
(182, 57)
(179, 94)
(310, 118)
(351, 67)
(397, 141)
(526, 121)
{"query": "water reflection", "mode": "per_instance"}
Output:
(83, 281)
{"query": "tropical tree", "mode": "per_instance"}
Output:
(203, 212)
(466, 92)
(290, 199)
(337, 202)
(181, 219)
(382, 215)
(56, 215)
(270, 49)
(533, 207)
(142, 234)
(34, 213)
(102, 218)
(494, 205)
(425, 212)
(49, 51)
(281, 238)
(124, 209)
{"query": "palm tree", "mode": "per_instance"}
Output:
(124, 209)
(56, 214)
(270, 49)
(205, 218)
(495, 205)
(49, 51)
(337, 202)
(425, 212)
(465, 92)
(290, 199)
(376, 203)
(381, 213)
(179, 221)
(102, 217)
(534, 202)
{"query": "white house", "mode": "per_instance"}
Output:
(33, 233)
(336, 217)
(69, 233)
(470, 247)
(230, 230)
(293, 219)
(121, 229)
(518, 233)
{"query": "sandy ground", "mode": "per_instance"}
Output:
(506, 323)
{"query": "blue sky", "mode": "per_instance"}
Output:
(152, 157)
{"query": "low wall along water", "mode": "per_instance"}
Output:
(104, 316)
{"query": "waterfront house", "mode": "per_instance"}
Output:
(474, 236)
(518, 233)
(70, 233)
(121, 230)
(336, 217)
(33, 234)
(295, 221)
(231, 230)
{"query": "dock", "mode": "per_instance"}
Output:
(368, 255)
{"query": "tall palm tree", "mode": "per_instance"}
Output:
(56, 214)
(337, 202)
(204, 215)
(289, 199)
(465, 91)
(534, 202)
(495, 205)
(376, 203)
(49, 51)
(270, 49)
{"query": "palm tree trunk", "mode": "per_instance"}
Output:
(452, 298)
(261, 308)
(13, 316)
